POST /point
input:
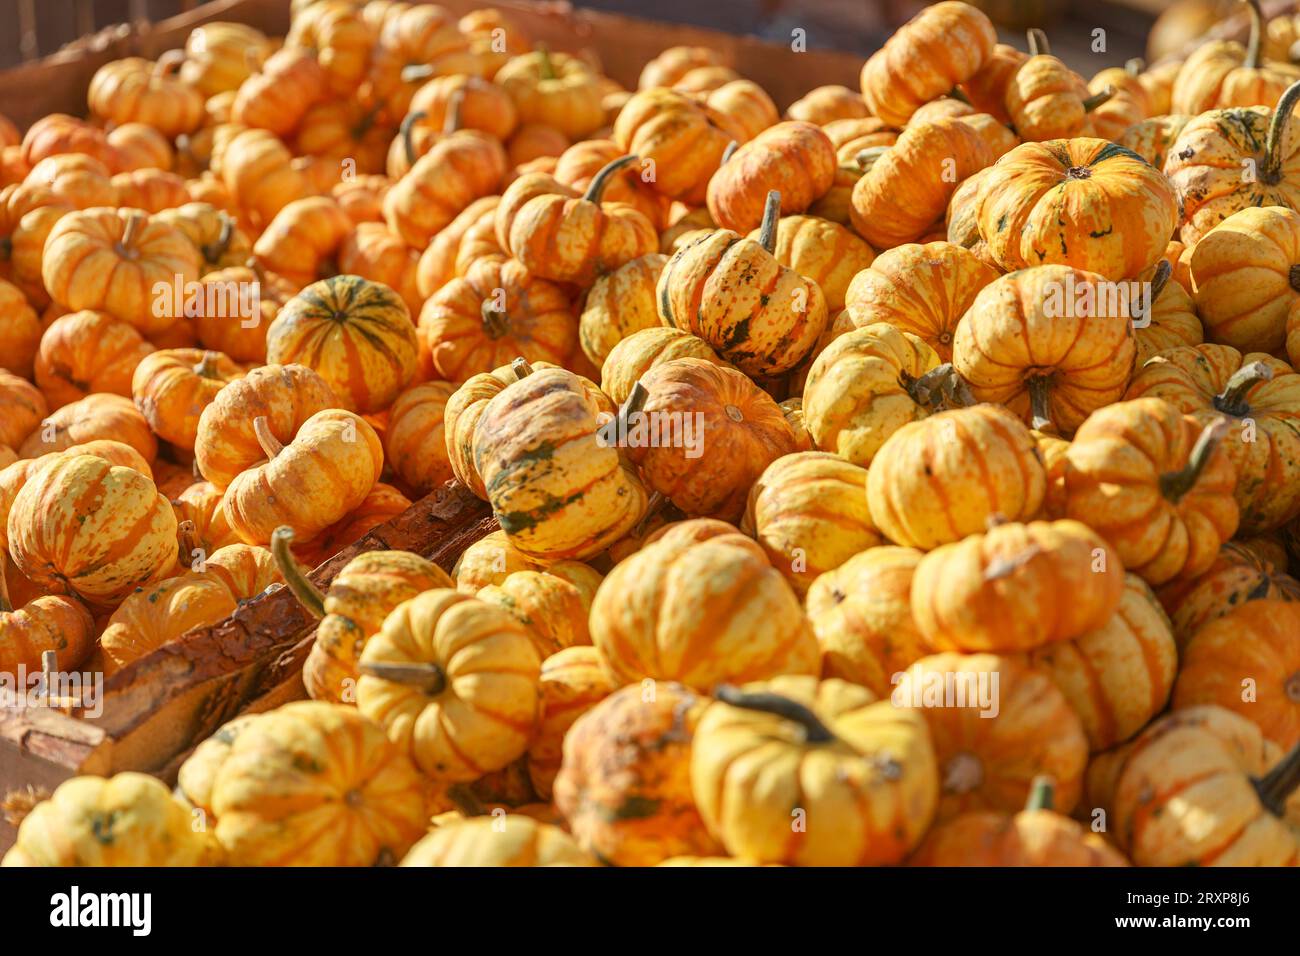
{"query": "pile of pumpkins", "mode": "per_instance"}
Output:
(845, 517)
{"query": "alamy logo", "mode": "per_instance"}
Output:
(638, 429)
(1100, 299)
(921, 687)
(74, 908)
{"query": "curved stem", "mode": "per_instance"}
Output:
(1038, 45)
(606, 173)
(1232, 400)
(495, 323)
(771, 214)
(815, 732)
(169, 63)
(407, 132)
(1276, 128)
(1175, 484)
(956, 94)
(133, 223)
(1253, 43)
(521, 368)
(1279, 783)
(466, 800)
(415, 72)
(1160, 279)
(928, 390)
(652, 508)
(308, 595)
(270, 444)
(207, 365)
(1040, 403)
(366, 122)
(1092, 102)
(424, 675)
(213, 251)
(455, 106)
(730, 150)
(1042, 794)
(187, 540)
(1135, 66)
(866, 158)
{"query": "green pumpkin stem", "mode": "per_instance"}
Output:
(867, 157)
(1160, 278)
(266, 438)
(546, 64)
(730, 150)
(1038, 45)
(1272, 171)
(1092, 102)
(1175, 484)
(1279, 783)
(815, 732)
(1254, 41)
(1042, 794)
(495, 323)
(653, 506)
(771, 214)
(367, 122)
(598, 182)
(956, 94)
(1232, 400)
(424, 675)
(206, 366)
(308, 595)
(1040, 404)
(407, 131)
(213, 251)
(521, 368)
(466, 800)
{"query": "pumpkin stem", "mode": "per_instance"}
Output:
(1175, 484)
(956, 94)
(730, 150)
(424, 675)
(1038, 45)
(1232, 400)
(598, 182)
(866, 158)
(652, 508)
(1160, 278)
(213, 251)
(635, 402)
(466, 800)
(455, 106)
(169, 63)
(771, 213)
(308, 595)
(937, 387)
(1003, 566)
(1092, 102)
(206, 367)
(366, 122)
(1135, 66)
(495, 323)
(1279, 783)
(407, 132)
(1272, 172)
(133, 223)
(1251, 62)
(1042, 794)
(187, 540)
(5, 604)
(815, 732)
(521, 368)
(1293, 53)
(16, 804)
(1040, 404)
(270, 444)
(545, 63)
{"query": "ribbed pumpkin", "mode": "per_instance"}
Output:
(496, 312)
(27, 215)
(1153, 138)
(758, 314)
(921, 289)
(22, 408)
(454, 682)
(415, 444)
(96, 416)
(341, 39)
(1203, 787)
(213, 231)
(554, 89)
(356, 334)
(85, 250)
(1260, 396)
(382, 504)
(998, 591)
(510, 839)
(1248, 661)
(460, 418)
(476, 102)
(1047, 100)
(257, 170)
(579, 165)
(1245, 278)
(451, 248)
(738, 192)
(868, 383)
(133, 90)
(227, 443)
(625, 783)
(1223, 73)
(700, 434)
(822, 760)
(277, 97)
(1082, 202)
(1176, 507)
(326, 469)
(573, 681)
(172, 387)
(672, 611)
(316, 784)
(825, 104)
(619, 304)
(908, 188)
(996, 724)
(564, 237)
(823, 252)
(130, 819)
(492, 559)
(1049, 343)
(1237, 576)
(50, 622)
(924, 490)
(302, 242)
(200, 503)
(553, 610)
(1207, 161)
(809, 513)
(458, 169)
(86, 352)
(236, 324)
(943, 45)
(1117, 676)
(159, 614)
(80, 180)
(221, 55)
(1172, 320)
(861, 613)
(84, 525)
(1035, 836)
(557, 489)
(375, 254)
(636, 355)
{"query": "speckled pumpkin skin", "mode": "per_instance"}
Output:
(620, 304)
(457, 170)
(99, 530)
(990, 762)
(998, 591)
(925, 490)
(415, 443)
(553, 611)
(49, 622)
(557, 491)
(172, 387)
(512, 840)
(867, 796)
(673, 611)
(794, 158)
(573, 681)
(160, 614)
(823, 252)
(1082, 202)
(317, 784)
(625, 785)
(634, 357)
(1129, 445)
(130, 819)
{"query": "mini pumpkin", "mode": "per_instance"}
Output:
(822, 252)
(619, 304)
(458, 169)
(277, 97)
(97, 416)
(572, 682)
(554, 89)
(172, 387)
(85, 352)
(512, 839)
(1237, 576)
(634, 356)
(738, 192)
(554, 611)
(1171, 320)
(1223, 73)
(50, 622)
(1045, 99)
(133, 90)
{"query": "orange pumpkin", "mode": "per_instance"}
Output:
(133, 90)
(27, 214)
(1153, 138)
(277, 97)
(172, 387)
(416, 42)
(415, 442)
(239, 305)
(454, 247)
(94, 417)
(1237, 576)
(1047, 100)
(554, 89)
(257, 170)
(476, 102)
(21, 335)
(374, 253)
(85, 352)
(1172, 320)
(637, 354)
(1223, 73)
(573, 681)
(738, 192)
(22, 408)
(987, 88)
(458, 169)
(46, 623)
